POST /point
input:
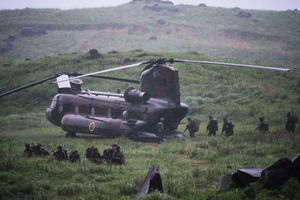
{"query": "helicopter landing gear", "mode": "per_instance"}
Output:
(71, 135)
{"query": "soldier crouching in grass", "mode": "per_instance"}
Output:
(93, 155)
(74, 156)
(60, 154)
(114, 156)
(37, 150)
(118, 157)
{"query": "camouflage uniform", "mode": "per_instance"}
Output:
(190, 127)
(118, 157)
(161, 129)
(60, 154)
(291, 121)
(212, 126)
(37, 150)
(108, 153)
(28, 150)
(93, 155)
(227, 127)
(74, 156)
(263, 126)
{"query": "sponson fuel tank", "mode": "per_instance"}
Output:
(107, 127)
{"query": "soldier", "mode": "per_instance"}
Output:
(74, 156)
(263, 126)
(44, 152)
(60, 154)
(192, 126)
(88, 152)
(118, 157)
(39, 150)
(291, 121)
(161, 129)
(212, 126)
(227, 127)
(93, 155)
(108, 153)
(28, 150)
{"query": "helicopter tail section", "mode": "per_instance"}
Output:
(161, 81)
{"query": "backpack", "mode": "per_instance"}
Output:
(214, 124)
(196, 123)
(294, 119)
(266, 126)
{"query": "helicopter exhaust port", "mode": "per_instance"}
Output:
(132, 95)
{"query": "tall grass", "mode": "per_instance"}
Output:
(190, 168)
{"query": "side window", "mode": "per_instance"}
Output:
(93, 110)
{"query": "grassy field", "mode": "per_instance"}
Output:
(190, 168)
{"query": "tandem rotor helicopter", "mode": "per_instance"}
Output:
(134, 114)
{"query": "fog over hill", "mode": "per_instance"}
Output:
(253, 36)
(73, 4)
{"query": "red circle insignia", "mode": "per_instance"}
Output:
(92, 126)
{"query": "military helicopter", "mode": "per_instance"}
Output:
(134, 114)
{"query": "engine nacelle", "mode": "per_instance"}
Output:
(132, 95)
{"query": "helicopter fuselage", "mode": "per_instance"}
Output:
(110, 115)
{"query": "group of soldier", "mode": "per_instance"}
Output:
(212, 126)
(37, 150)
(112, 155)
(61, 154)
(290, 124)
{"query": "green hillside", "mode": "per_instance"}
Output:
(266, 37)
(240, 94)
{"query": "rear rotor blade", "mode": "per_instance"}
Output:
(231, 64)
(104, 71)
(26, 86)
(116, 79)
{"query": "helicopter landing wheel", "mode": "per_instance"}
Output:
(71, 135)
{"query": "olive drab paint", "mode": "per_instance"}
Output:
(130, 114)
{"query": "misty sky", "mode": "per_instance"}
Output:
(72, 4)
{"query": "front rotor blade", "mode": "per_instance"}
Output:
(104, 71)
(233, 64)
(27, 86)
